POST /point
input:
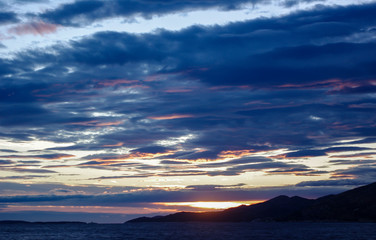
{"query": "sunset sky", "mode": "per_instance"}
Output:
(115, 109)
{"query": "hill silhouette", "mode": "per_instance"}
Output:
(358, 204)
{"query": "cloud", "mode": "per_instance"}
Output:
(226, 94)
(194, 193)
(35, 28)
(171, 162)
(28, 170)
(238, 161)
(151, 149)
(81, 13)
(170, 117)
(23, 177)
(64, 198)
(362, 172)
(303, 154)
(8, 18)
(351, 162)
(29, 1)
(54, 156)
(291, 3)
(67, 12)
(5, 162)
(200, 155)
(309, 153)
(213, 187)
(340, 182)
(303, 46)
(356, 155)
(8, 150)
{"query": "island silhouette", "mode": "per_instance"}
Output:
(356, 205)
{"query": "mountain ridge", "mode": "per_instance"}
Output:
(356, 205)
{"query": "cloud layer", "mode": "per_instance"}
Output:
(289, 97)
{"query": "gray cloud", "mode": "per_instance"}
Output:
(86, 12)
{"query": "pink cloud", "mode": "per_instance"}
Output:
(173, 116)
(119, 144)
(35, 28)
(313, 85)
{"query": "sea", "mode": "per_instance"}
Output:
(191, 231)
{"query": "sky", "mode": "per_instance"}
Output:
(115, 109)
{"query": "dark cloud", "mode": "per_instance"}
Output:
(352, 162)
(213, 187)
(53, 156)
(29, 170)
(361, 172)
(355, 155)
(192, 194)
(23, 177)
(245, 160)
(267, 165)
(207, 155)
(341, 182)
(8, 17)
(66, 13)
(307, 51)
(85, 12)
(308, 153)
(5, 162)
(345, 149)
(151, 149)
(42, 198)
(8, 150)
(298, 171)
(305, 154)
(291, 3)
(171, 162)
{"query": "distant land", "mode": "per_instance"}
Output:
(356, 205)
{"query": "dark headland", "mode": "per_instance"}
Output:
(356, 205)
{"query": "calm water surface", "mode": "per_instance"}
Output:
(192, 231)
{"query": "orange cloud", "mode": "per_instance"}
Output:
(109, 124)
(35, 28)
(149, 155)
(119, 144)
(172, 116)
(234, 154)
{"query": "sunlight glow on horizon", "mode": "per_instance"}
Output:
(211, 205)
